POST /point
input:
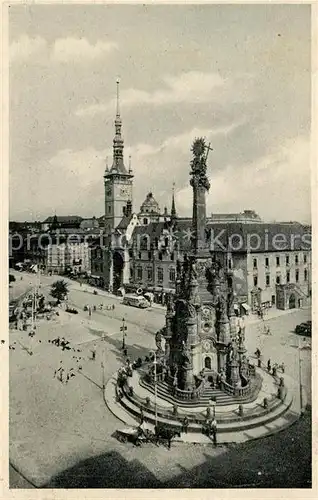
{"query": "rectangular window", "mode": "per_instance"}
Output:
(266, 261)
(255, 280)
(305, 275)
(305, 258)
(160, 274)
(149, 274)
(278, 279)
(149, 255)
(277, 261)
(255, 263)
(296, 259)
(268, 280)
(297, 275)
(172, 275)
(139, 273)
(287, 277)
(172, 256)
(160, 255)
(109, 209)
(287, 260)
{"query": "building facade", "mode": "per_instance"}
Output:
(141, 250)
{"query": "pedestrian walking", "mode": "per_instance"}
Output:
(89, 310)
(185, 425)
(214, 430)
(142, 416)
(269, 365)
(125, 352)
(94, 352)
(207, 426)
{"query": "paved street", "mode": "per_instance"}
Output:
(54, 426)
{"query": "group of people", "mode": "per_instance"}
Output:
(64, 375)
(61, 342)
(270, 369)
(93, 308)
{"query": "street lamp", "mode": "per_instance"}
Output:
(103, 370)
(123, 329)
(300, 380)
(155, 374)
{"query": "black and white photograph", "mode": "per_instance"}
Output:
(158, 262)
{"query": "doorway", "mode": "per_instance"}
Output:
(207, 363)
(292, 301)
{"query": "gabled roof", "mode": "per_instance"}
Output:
(63, 218)
(125, 221)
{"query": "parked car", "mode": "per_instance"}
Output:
(304, 329)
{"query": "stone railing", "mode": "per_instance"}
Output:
(236, 391)
(176, 392)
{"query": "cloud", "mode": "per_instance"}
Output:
(37, 50)
(26, 48)
(75, 184)
(192, 87)
(279, 179)
(79, 49)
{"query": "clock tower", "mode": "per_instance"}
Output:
(118, 181)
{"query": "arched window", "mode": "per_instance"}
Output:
(145, 220)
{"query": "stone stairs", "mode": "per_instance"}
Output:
(221, 397)
(227, 423)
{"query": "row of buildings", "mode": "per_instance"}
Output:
(139, 250)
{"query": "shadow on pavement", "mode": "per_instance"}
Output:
(279, 461)
(109, 470)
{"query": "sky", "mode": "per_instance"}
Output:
(237, 75)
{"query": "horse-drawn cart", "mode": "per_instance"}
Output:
(136, 435)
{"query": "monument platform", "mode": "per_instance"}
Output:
(233, 426)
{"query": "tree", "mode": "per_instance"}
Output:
(11, 278)
(59, 290)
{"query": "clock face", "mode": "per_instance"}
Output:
(124, 191)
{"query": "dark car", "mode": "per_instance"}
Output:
(304, 329)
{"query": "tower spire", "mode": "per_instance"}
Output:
(173, 205)
(118, 142)
(117, 100)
